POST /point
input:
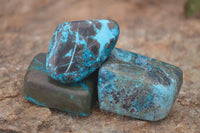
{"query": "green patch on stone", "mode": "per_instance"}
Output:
(192, 8)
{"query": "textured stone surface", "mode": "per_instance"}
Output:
(138, 86)
(75, 98)
(78, 48)
(154, 28)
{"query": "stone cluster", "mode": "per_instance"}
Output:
(82, 61)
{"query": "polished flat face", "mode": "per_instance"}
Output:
(134, 85)
(78, 48)
(40, 89)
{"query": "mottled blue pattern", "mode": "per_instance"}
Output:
(134, 85)
(78, 48)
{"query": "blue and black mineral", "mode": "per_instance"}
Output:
(134, 85)
(78, 48)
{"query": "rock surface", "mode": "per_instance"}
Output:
(76, 98)
(138, 86)
(78, 48)
(154, 28)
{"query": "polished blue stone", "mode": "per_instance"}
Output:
(78, 48)
(134, 85)
(76, 98)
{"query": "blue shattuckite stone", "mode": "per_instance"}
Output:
(39, 88)
(134, 85)
(78, 48)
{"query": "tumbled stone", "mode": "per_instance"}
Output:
(78, 48)
(134, 85)
(40, 89)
